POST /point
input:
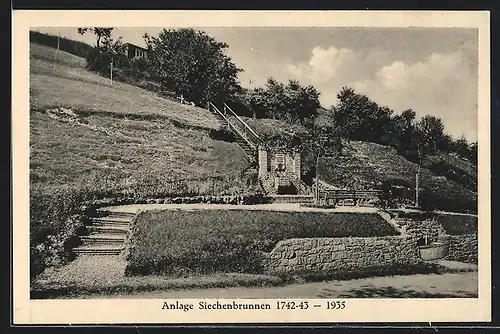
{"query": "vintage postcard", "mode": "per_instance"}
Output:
(222, 167)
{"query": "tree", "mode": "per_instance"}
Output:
(407, 145)
(408, 116)
(473, 152)
(101, 33)
(360, 118)
(191, 63)
(292, 102)
(110, 51)
(431, 132)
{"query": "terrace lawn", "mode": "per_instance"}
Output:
(227, 240)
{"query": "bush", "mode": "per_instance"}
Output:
(458, 224)
(56, 220)
(394, 191)
(453, 224)
(100, 61)
(455, 174)
(430, 200)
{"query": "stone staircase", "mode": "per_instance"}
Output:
(108, 234)
(246, 148)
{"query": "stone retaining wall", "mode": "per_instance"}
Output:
(346, 254)
(430, 228)
(462, 248)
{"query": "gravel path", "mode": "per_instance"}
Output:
(412, 286)
(88, 270)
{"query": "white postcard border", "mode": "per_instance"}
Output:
(116, 311)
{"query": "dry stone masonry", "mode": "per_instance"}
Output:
(462, 248)
(342, 254)
(277, 168)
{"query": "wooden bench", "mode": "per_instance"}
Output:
(334, 196)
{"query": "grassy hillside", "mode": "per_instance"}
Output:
(85, 130)
(77, 48)
(367, 165)
(135, 137)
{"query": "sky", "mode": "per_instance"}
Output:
(432, 71)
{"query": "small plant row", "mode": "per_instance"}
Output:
(229, 199)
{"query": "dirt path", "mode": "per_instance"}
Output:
(413, 286)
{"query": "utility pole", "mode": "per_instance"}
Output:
(317, 179)
(416, 186)
(55, 55)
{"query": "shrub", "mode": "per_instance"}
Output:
(458, 175)
(56, 219)
(100, 60)
(222, 134)
(430, 200)
(458, 224)
(394, 191)
(453, 224)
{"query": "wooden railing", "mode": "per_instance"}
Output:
(236, 129)
(249, 132)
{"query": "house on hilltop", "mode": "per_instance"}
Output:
(134, 51)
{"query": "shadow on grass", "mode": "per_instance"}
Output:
(391, 292)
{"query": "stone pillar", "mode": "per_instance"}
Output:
(297, 166)
(262, 162)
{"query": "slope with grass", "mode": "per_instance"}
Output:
(367, 165)
(136, 137)
(85, 130)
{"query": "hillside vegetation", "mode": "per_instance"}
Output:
(85, 130)
(90, 139)
(129, 134)
(369, 165)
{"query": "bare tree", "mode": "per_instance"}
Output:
(99, 32)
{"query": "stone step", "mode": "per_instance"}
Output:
(112, 224)
(99, 250)
(113, 220)
(110, 229)
(117, 214)
(100, 238)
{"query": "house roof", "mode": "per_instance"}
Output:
(136, 46)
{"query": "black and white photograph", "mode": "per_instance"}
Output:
(245, 167)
